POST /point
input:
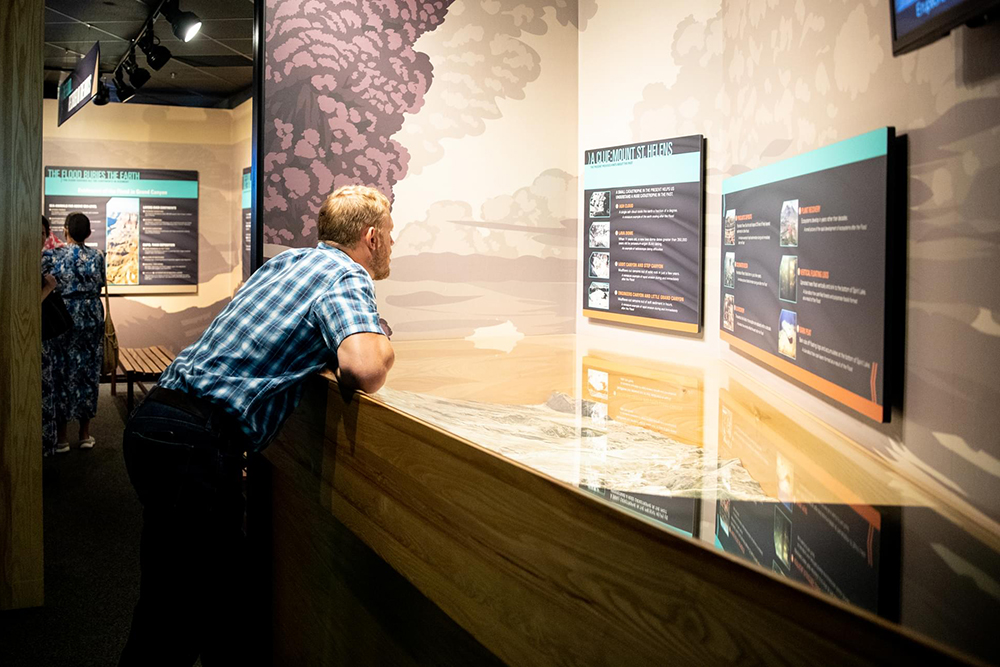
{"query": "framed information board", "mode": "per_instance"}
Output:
(246, 209)
(643, 221)
(145, 221)
(804, 268)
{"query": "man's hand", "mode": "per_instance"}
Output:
(363, 362)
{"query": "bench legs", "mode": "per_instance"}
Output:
(130, 395)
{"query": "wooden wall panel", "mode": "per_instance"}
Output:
(538, 572)
(21, 43)
(333, 600)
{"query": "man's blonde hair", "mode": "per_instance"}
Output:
(349, 211)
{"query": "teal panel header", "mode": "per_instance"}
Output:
(864, 147)
(84, 187)
(682, 168)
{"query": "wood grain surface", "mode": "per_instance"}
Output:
(535, 570)
(21, 45)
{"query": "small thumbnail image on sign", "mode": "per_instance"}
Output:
(597, 381)
(729, 227)
(728, 314)
(600, 265)
(600, 234)
(788, 278)
(787, 327)
(729, 270)
(598, 295)
(600, 204)
(782, 536)
(788, 230)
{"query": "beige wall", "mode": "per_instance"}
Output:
(765, 80)
(213, 142)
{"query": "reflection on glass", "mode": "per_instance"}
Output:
(708, 453)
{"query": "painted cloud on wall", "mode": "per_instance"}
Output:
(339, 77)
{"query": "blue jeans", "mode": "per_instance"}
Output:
(187, 471)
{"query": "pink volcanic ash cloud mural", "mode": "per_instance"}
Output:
(339, 76)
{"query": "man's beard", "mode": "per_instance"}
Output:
(380, 263)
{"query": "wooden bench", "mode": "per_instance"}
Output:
(141, 364)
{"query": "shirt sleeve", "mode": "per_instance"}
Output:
(347, 309)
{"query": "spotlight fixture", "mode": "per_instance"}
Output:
(185, 24)
(123, 91)
(156, 54)
(102, 96)
(137, 76)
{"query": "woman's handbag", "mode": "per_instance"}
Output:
(110, 338)
(56, 319)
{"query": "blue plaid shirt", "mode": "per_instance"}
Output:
(285, 324)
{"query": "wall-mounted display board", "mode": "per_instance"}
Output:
(144, 220)
(247, 210)
(80, 85)
(804, 268)
(643, 217)
(917, 23)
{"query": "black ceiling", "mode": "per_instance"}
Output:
(215, 69)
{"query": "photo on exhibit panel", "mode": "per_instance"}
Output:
(600, 235)
(598, 295)
(787, 333)
(122, 241)
(600, 204)
(600, 265)
(729, 227)
(788, 278)
(729, 274)
(788, 229)
(728, 312)
(597, 381)
(782, 536)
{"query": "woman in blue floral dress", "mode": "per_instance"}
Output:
(78, 353)
(48, 376)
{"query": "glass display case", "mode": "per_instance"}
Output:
(705, 452)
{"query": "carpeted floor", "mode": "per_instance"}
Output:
(92, 523)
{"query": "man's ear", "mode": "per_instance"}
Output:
(371, 238)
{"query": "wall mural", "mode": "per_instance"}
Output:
(339, 78)
(342, 77)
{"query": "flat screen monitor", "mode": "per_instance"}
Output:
(916, 23)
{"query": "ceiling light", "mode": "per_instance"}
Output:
(137, 76)
(185, 24)
(156, 55)
(123, 91)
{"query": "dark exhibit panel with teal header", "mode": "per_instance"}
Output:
(246, 208)
(804, 268)
(642, 227)
(80, 85)
(144, 220)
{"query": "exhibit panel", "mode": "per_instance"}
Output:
(643, 215)
(472, 466)
(246, 218)
(804, 264)
(144, 221)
